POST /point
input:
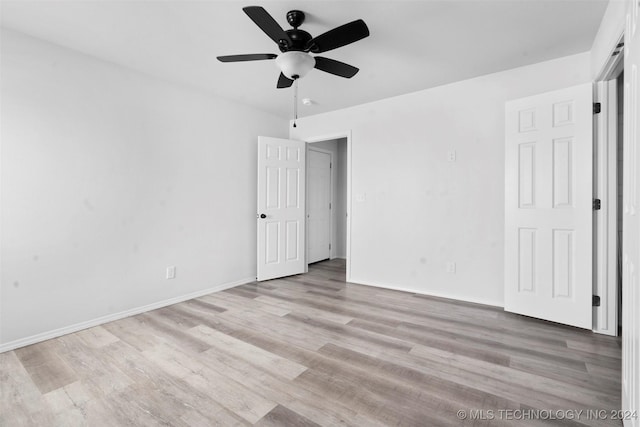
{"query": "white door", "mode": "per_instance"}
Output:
(281, 205)
(318, 205)
(631, 221)
(548, 206)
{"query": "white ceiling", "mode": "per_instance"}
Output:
(413, 45)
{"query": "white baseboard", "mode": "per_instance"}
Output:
(431, 294)
(43, 336)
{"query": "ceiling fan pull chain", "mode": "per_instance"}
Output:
(295, 102)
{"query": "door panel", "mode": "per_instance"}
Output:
(548, 215)
(562, 173)
(281, 183)
(527, 174)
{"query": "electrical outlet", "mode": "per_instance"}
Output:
(451, 156)
(171, 272)
(451, 267)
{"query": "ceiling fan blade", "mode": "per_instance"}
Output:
(335, 67)
(267, 24)
(284, 81)
(338, 37)
(249, 57)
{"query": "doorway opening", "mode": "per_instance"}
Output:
(326, 201)
(608, 188)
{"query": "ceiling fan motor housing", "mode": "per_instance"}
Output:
(299, 40)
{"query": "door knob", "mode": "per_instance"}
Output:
(263, 216)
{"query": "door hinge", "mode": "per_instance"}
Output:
(330, 165)
(329, 205)
(595, 300)
(329, 246)
(597, 107)
(596, 204)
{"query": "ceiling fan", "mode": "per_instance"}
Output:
(297, 45)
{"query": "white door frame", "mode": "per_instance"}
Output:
(332, 224)
(605, 167)
(340, 135)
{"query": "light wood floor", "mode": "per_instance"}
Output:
(312, 350)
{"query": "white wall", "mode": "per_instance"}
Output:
(108, 177)
(338, 149)
(412, 211)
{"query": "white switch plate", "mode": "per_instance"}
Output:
(451, 267)
(451, 155)
(171, 272)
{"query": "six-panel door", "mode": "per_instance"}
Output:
(281, 207)
(548, 206)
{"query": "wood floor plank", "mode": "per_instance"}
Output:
(312, 350)
(132, 331)
(97, 337)
(342, 309)
(172, 328)
(537, 383)
(147, 371)
(457, 346)
(301, 308)
(338, 331)
(96, 377)
(570, 376)
(19, 395)
(502, 346)
(47, 371)
(390, 410)
(241, 303)
(280, 416)
(204, 306)
(305, 401)
(231, 394)
(296, 334)
(400, 376)
(238, 348)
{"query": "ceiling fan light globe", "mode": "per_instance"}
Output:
(295, 64)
